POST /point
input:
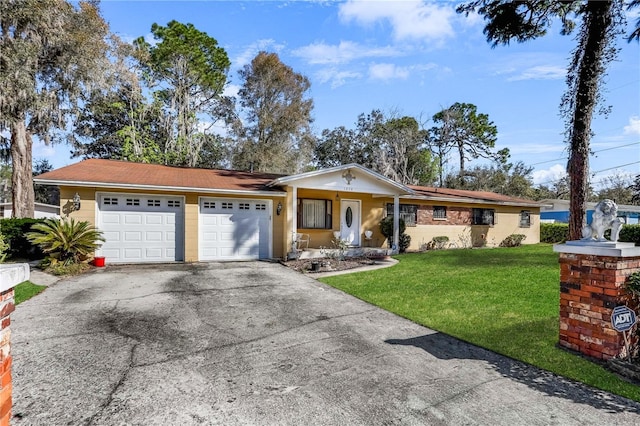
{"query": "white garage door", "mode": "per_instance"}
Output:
(235, 229)
(141, 228)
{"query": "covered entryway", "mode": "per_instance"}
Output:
(365, 191)
(141, 228)
(234, 229)
(350, 221)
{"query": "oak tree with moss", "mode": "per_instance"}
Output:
(52, 53)
(600, 24)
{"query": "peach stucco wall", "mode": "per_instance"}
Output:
(372, 211)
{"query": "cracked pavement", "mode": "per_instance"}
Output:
(255, 343)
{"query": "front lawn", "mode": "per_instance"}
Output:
(26, 290)
(504, 299)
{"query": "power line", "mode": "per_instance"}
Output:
(592, 174)
(616, 167)
(594, 152)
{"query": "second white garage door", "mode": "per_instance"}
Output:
(234, 229)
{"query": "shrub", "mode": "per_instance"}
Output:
(386, 227)
(14, 230)
(630, 234)
(65, 240)
(559, 233)
(404, 242)
(4, 248)
(554, 232)
(438, 243)
(513, 240)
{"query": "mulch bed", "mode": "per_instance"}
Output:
(326, 265)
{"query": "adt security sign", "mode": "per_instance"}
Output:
(622, 318)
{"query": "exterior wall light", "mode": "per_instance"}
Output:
(279, 208)
(76, 202)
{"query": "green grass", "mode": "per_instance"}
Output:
(26, 291)
(505, 300)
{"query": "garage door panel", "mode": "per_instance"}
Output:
(209, 220)
(109, 218)
(234, 229)
(153, 219)
(210, 236)
(141, 228)
(133, 254)
(132, 236)
(111, 235)
(153, 236)
(133, 219)
(154, 253)
(225, 220)
(226, 236)
(111, 253)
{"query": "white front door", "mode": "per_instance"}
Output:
(350, 221)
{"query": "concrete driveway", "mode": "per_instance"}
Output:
(256, 343)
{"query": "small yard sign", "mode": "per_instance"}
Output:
(622, 318)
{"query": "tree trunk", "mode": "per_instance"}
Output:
(22, 177)
(599, 16)
(461, 173)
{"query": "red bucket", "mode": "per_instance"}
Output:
(98, 261)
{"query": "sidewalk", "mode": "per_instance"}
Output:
(39, 277)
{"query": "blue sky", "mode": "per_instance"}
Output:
(411, 58)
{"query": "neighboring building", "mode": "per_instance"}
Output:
(558, 211)
(155, 213)
(40, 210)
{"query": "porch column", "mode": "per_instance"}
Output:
(294, 218)
(396, 223)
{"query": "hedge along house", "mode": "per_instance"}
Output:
(155, 213)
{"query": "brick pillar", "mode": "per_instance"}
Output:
(592, 278)
(6, 307)
(10, 276)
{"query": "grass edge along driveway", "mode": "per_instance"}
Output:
(503, 299)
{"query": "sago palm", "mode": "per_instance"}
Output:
(65, 239)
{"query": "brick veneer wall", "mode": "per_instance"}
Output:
(590, 288)
(7, 306)
(455, 216)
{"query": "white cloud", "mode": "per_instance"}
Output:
(410, 20)
(388, 72)
(252, 50)
(344, 52)
(549, 176)
(336, 77)
(634, 126)
(530, 66)
(540, 72)
(537, 148)
(42, 150)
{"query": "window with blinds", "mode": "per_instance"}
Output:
(314, 214)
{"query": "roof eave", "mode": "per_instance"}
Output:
(471, 201)
(272, 193)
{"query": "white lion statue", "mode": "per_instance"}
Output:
(604, 217)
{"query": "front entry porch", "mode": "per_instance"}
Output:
(329, 209)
